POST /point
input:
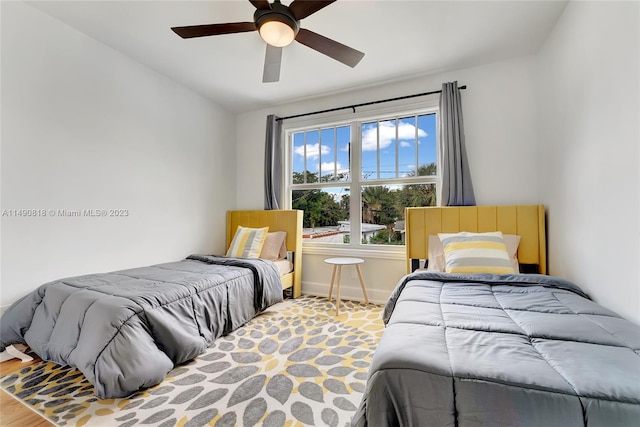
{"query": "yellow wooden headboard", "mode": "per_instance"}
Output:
(277, 220)
(527, 221)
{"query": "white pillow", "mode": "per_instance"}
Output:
(436, 253)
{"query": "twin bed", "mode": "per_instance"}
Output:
(126, 330)
(498, 350)
(288, 221)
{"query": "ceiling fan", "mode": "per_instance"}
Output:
(279, 26)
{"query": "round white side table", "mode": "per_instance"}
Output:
(337, 267)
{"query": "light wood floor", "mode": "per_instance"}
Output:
(12, 412)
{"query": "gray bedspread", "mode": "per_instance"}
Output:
(127, 329)
(511, 350)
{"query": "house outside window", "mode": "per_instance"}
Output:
(354, 178)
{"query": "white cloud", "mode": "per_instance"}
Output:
(313, 150)
(406, 132)
(405, 144)
(327, 168)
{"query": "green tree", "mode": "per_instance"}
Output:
(429, 169)
(345, 201)
(386, 237)
(312, 177)
(298, 177)
(371, 203)
(378, 205)
(320, 208)
(417, 194)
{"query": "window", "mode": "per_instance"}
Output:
(356, 178)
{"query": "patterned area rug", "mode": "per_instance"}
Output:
(295, 364)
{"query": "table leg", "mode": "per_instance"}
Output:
(338, 292)
(333, 276)
(364, 291)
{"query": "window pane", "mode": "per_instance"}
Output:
(378, 212)
(312, 146)
(370, 150)
(427, 145)
(407, 146)
(387, 137)
(342, 154)
(297, 162)
(326, 214)
(383, 210)
(327, 155)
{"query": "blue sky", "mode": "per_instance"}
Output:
(333, 155)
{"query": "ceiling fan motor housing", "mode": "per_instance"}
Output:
(278, 12)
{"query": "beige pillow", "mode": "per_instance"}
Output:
(275, 246)
(436, 252)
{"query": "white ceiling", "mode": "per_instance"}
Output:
(399, 38)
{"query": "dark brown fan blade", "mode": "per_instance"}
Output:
(213, 29)
(261, 4)
(332, 48)
(272, 61)
(303, 8)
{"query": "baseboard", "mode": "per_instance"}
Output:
(352, 293)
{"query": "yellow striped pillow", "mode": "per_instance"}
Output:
(247, 242)
(476, 253)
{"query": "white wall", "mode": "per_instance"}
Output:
(84, 127)
(501, 143)
(588, 101)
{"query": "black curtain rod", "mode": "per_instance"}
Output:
(353, 107)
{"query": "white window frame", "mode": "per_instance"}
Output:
(354, 120)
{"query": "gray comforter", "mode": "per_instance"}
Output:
(512, 350)
(126, 329)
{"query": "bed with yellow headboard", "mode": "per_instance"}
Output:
(289, 221)
(129, 328)
(526, 221)
(476, 346)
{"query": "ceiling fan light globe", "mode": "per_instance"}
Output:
(277, 33)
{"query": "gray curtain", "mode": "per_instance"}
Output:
(456, 179)
(273, 164)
